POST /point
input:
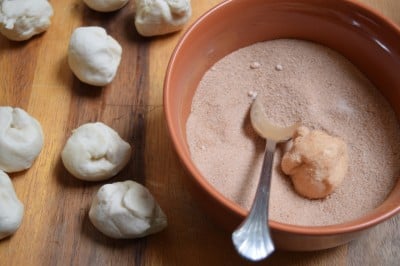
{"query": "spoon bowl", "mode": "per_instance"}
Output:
(266, 129)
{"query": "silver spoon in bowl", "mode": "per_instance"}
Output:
(252, 239)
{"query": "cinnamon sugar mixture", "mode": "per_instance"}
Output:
(296, 80)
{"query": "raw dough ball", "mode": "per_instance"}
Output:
(105, 5)
(93, 55)
(21, 19)
(21, 139)
(316, 163)
(126, 210)
(11, 209)
(159, 17)
(95, 152)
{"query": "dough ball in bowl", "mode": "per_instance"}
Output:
(11, 209)
(126, 210)
(21, 139)
(160, 17)
(21, 19)
(105, 5)
(93, 55)
(317, 163)
(95, 152)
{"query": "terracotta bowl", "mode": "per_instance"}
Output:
(366, 38)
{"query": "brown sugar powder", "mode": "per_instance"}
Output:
(295, 80)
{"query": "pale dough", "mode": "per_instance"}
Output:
(126, 210)
(95, 152)
(21, 19)
(105, 5)
(21, 139)
(11, 208)
(157, 17)
(316, 163)
(93, 55)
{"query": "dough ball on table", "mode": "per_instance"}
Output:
(11, 209)
(94, 56)
(95, 152)
(21, 19)
(160, 17)
(105, 5)
(21, 139)
(316, 163)
(126, 210)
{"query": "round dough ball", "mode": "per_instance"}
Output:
(105, 5)
(11, 209)
(94, 56)
(21, 19)
(160, 17)
(95, 152)
(21, 139)
(316, 163)
(126, 210)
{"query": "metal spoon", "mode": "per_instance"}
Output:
(252, 238)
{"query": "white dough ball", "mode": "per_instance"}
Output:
(11, 209)
(95, 152)
(105, 5)
(21, 139)
(159, 17)
(126, 210)
(21, 19)
(94, 56)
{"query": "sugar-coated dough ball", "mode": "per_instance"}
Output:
(21, 139)
(105, 5)
(159, 17)
(95, 152)
(21, 19)
(94, 56)
(11, 209)
(126, 210)
(316, 163)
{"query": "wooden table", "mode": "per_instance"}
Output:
(34, 75)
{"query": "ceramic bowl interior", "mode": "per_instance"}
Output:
(366, 38)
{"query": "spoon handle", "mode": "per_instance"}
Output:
(252, 238)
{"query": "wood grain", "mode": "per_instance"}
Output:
(56, 231)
